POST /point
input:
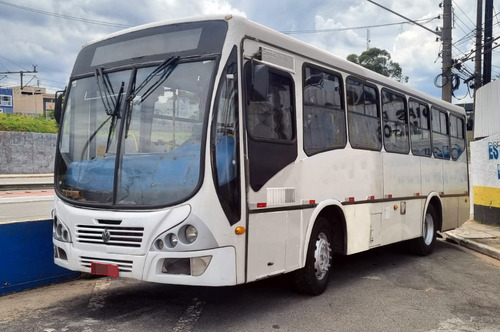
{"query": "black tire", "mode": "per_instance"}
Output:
(424, 245)
(313, 278)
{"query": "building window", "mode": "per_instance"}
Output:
(5, 100)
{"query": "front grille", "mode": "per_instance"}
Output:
(123, 265)
(110, 235)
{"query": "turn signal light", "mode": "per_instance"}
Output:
(240, 230)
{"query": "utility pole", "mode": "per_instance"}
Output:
(447, 58)
(488, 36)
(22, 72)
(479, 35)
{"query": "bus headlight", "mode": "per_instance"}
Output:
(60, 231)
(159, 244)
(191, 234)
(172, 240)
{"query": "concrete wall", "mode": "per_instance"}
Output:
(486, 114)
(485, 172)
(26, 153)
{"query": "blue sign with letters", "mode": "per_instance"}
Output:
(493, 148)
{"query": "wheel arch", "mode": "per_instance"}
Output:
(434, 200)
(333, 211)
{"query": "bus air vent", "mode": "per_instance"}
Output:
(276, 196)
(108, 222)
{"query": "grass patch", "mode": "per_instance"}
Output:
(22, 123)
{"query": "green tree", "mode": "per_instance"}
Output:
(379, 61)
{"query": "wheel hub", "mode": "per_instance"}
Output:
(428, 229)
(322, 256)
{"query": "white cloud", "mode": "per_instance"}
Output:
(219, 7)
(53, 42)
(416, 50)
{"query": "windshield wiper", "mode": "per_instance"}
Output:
(111, 107)
(114, 115)
(167, 67)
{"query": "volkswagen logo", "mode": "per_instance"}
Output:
(106, 236)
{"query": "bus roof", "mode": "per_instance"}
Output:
(243, 27)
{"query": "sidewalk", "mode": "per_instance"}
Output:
(482, 238)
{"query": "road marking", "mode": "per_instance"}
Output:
(99, 293)
(188, 320)
(26, 199)
(372, 278)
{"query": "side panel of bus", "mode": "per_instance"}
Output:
(383, 194)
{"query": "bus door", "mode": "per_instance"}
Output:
(270, 121)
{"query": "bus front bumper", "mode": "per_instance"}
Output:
(211, 267)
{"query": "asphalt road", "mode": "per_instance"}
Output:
(386, 289)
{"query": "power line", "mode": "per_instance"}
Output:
(291, 32)
(496, 15)
(462, 22)
(456, 5)
(468, 35)
(67, 17)
(467, 57)
(12, 62)
(406, 18)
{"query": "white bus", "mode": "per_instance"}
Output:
(216, 151)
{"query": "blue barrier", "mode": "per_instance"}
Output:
(26, 257)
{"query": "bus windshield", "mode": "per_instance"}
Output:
(133, 137)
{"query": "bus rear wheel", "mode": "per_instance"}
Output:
(424, 245)
(313, 278)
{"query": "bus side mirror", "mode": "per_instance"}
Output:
(58, 107)
(260, 82)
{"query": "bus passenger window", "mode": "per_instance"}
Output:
(420, 133)
(270, 126)
(324, 117)
(457, 137)
(272, 119)
(363, 115)
(440, 138)
(395, 122)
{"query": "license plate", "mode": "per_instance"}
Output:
(104, 269)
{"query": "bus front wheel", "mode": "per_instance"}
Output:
(424, 245)
(313, 278)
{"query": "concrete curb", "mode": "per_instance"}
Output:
(473, 245)
(42, 175)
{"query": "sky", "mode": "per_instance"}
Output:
(50, 33)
